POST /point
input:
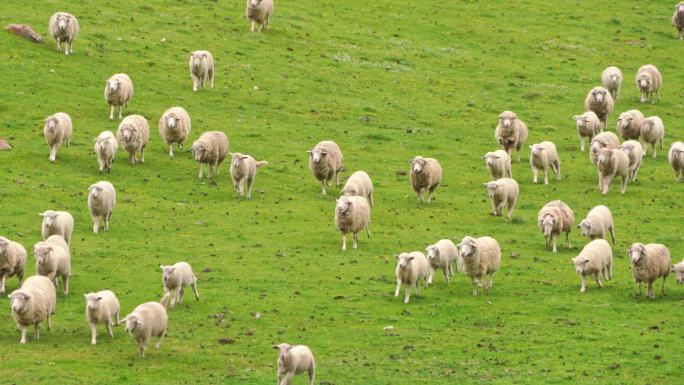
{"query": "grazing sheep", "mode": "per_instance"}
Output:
(511, 132)
(502, 192)
(635, 152)
(57, 223)
(105, 148)
(259, 12)
(601, 103)
(612, 163)
(648, 81)
(598, 222)
(325, 163)
(629, 124)
(101, 307)
(676, 159)
(134, 133)
(649, 262)
(653, 132)
(554, 218)
(210, 149)
(243, 169)
(101, 202)
(146, 321)
(480, 257)
(294, 360)
(64, 28)
(174, 127)
(426, 175)
(411, 268)
(359, 184)
(117, 93)
(602, 140)
(32, 303)
(12, 262)
(678, 269)
(498, 164)
(611, 78)
(678, 19)
(352, 214)
(175, 279)
(596, 258)
(201, 68)
(441, 255)
(543, 155)
(53, 259)
(57, 130)
(588, 126)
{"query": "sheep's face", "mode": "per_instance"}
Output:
(418, 165)
(237, 160)
(537, 150)
(467, 248)
(343, 206)
(680, 9)
(678, 269)
(283, 350)
(4, 242)
(92, 301)
(647, 126)
(585, 228)
(19, 301)
(404, 260)
(614, 78)
(546, 225)
(132, 323)
(42, 253)
(167, 273)
(254, 3)
(128, 133)
(676, 154)
(51, 124)
(598, 95)
(636, 252)
(491, 187)
(63, 22)
(624, 121)
(49, 218)
(318, 154)
(644, 81)
(172, 121)
(581, 264)
(432, 253)
(581, 121)
(198, 59)
(490, 159)
(96, 192)
(604, 156)
(507, 119)
(113, 86)
(198, 150)
(102, 143)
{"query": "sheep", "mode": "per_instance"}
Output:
(596, 258)
(359, 184)
(629, 124)
(678, 269)
(611, 78)
(635, 153)
(601, 103)
(101, 307)
(294, 360)
(648, 81)
(543, 155)
(676, 159)
(588, 126)
(610, 164)
(64, 28)
(34, 302)
(441, 255)
(554, 218)
(53, 259)
(602, 140)
(134, 133)
(144, 322)
(411, 268)
(57, 223)
(498, 164)
(597, 223)
(210, 149)
(325, 163)
(105, 148)
(649, 262)
(117, 93)
(426, 175)
(101, 202)
(243, 169)
(57, 130)
(259, 12)
(502, 192)
(678, 19)
(510, 132)
(12, 262)
(653, 132)
(175, 279)
(174, 127)
(480, 257)
(352, 214)
(201, 69)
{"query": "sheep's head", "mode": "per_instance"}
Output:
(636, 252)
(678, 269)
(507, 119)
(51, 123)
(676, 154)
(418, 164)
(492, 187)
(19, 300)
(432, 252)
(614, 78)
(343, 205)
(198, 151)
(113, 85)
(132, 322)
(624, 120)
(490, 158)
(580, 264)
(102, 143)
(92, 301)
(585, 227)
(254, 3)
(49, 218)
(172, 120)
(647, 126)
(537, 149)
(63, 21)
(644, 81)
(404, 260)
(604, 156)
(198, 58)
(4, 242)
(598, 95)
(42, 252)
(580, 120)
(467, 247)
(128, 132)
(317, 154)
(283, 350)
(237, 159)
(680, 9)
(167, 272)
(546, 224)
(95, 191)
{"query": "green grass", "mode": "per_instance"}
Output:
(387, 80)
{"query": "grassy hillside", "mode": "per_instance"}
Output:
(387, 80)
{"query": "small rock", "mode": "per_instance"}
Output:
(257, 315)
(52, 71)
(390, 327)
(4, 146)
(20, 181)
(256, 88)
(515, 255)
(163, 40)
(226, 341)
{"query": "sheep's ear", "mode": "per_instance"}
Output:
(620, 147)
(99, 298)
(484, 157)
(161, 267)
(9, 296)
(396, 256)
(497, 157)
(230, 153)
(410, 258)
(92, 186)
(484, 184)
(42, 214)
(123, 320)
(243, 157)
(529, 146)
(276, 347)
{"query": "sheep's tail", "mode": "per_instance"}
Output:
(261, 163)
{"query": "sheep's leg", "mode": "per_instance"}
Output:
(194, 290)
(491, 281)
(649, 292)
(368, 231)
(493, 207)
(396, 292)
(23, 334)
(355, 237)
(407, 294)
(65, 281)
(430, 276)
(344, 241)
(200, 168)
(597, 277)
(53, 153)
(111, 112)
(511, 206)
(71, 46)
(662, 289)
(142, 154)
(446, 274)
(143, 347)
(553, 240)
(279, 375)
(93, 333)
(312, 374)
(556, 169)
(584, 284)
(3, 280)
(657, 94)
(581, 144)
(59, 43)
(534, 175)
(567, 238)
(611, 229)
(639, 291)
(49, 321)
(194, 83)
(250, 182)
(121, 112)
(419, 193)
(474, 286)
(624, 184)
(546, 175)
(251, 28)
(109, 327)
(370, 199)
(37, 331)
(101, 164)
(323, 192)
(181, 294)
(654, 148)
(288, 378)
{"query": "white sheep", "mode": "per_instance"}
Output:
(676, 159)
(542, 156)
(611, 78)
(57, 130)
(649, 262)
(53, 259)
(411, 268)
(653, 132)
(510, 132)
(34, 302)
(146, 321)
(210, 149)
(105, 148)
(101, 203)
(57, 223)
(498, 164)
(629, 124)
(588, 126)
(648, 81)
(678, 19)
(426, 175)
(359, 184)
(602, 140)
(175, 279)
(480, 257)
(612, 163)
(64, 28)
(294, 360)
(101, 307)
(601, 103)
(635, 153)
(174, 127)
(325, 163)
(259, 12)
(502, 192)
(555, 218)
(678, 269)
(596, 258)
(12, 262)
(243, 170)
(441, 255)
(117, 93)
(201, 68)
(134, 133)
(352, 214)
(597, 223)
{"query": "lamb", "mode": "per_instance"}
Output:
(588, 126)
(426, 175)
(510, 132)
(498, 164)
(554, 218)
(243, 169)
(105, 148)
(502, 192)
(64, 28)
(635, 153)
(411, 268)
(34, 302)
(210, 149)
(174, 127)
(359, 184)
(649, 262)
(352, 214)
(596, 258)
(325, 163)
(53, 259)
(259, 12)
(648, 81)
(57, 130)
(101, 307)
(611, 78)
(653, 132)
(542, 156)
(134, 133)
(598, 222)
(480, 257)
(12, 262)
(629, 124)
(601, 103)
(57, 223)
(678, 19)
(610, 164)
(101, 202)
(201, 68)
(678, 269)
(146, 321)
(175, 279)
(294, 360)
(440, 256)
(602, 140)
(676, 159)
(117, 93)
